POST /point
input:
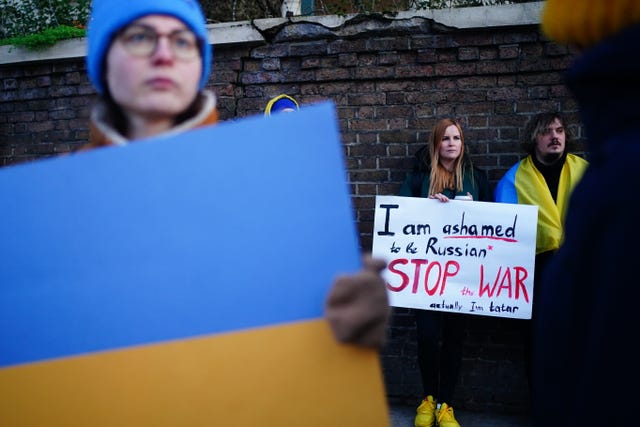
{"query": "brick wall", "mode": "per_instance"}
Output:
(390, 84)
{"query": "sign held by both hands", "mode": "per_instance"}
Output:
(459, 256)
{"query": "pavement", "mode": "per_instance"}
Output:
(402, 416)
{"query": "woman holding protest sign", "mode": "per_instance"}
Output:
(442, 171)
(149, 60)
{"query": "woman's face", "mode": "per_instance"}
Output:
(158, 85)
(451, 145)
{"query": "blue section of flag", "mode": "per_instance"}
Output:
(224, 228)
(506, 188)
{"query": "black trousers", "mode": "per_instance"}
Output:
(440, 342)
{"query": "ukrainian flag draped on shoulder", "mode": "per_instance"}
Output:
(524, 184)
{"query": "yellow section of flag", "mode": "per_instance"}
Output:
(287, 375)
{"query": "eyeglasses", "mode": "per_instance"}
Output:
(142, 41)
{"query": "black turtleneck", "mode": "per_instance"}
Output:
(551, 173)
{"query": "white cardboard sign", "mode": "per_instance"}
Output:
(460, 256)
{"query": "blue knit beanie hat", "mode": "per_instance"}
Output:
(110, 16)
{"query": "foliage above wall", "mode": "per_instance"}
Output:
(40, 23)
(25, 17)
(45, 38)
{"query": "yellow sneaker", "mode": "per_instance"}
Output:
(445, 416)
(426, 413)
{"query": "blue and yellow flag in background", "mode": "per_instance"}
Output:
(524, 184)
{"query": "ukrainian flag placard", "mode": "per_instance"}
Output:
(181, 281)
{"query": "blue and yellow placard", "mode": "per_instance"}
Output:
(181, 281)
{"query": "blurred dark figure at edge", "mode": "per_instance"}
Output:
(585, 372)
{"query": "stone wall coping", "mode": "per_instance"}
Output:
(253, 32)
